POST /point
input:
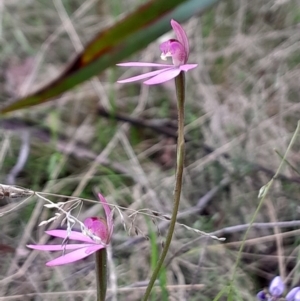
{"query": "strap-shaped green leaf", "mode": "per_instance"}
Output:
(112, 45)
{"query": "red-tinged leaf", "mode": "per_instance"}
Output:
(112, 45)
(6, 249)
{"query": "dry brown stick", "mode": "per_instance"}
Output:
(160, 126)
(201, 204)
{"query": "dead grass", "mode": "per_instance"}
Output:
(242, 102)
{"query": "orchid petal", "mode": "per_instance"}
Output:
(181, 36)
(261, 296)
(293, 294)
(276, 287)
(143, 76)
(178, 49)
(141, 64)
(70, 235)
(109, 215)
(104, 204)
(97, 227)
(187, 67)
(74, 256)
(297, 296)
(94, 248)
(57, 247)
(163, 76)
(174, 49)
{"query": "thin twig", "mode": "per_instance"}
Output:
(160, 126)
(279, 241)
(22, 159)
(201, 205)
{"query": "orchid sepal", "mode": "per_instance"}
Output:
(96, 236)
(178, 49)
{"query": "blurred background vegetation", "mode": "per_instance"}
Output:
(241, 111)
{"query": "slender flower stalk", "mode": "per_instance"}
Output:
(95, 237)
(178, 50)
(180, 91)
(101, 273)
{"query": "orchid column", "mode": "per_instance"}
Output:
(178, 50)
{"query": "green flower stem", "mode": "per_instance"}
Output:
(180, 92)
(262, 195)
(101, 274)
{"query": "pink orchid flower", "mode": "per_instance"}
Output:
(98, 235)
(178, 49)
